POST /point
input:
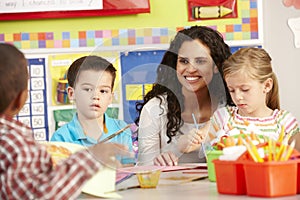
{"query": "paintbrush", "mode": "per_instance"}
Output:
(197, 127)
(115, 134)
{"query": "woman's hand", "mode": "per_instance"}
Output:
(166, 159)
(193, 140)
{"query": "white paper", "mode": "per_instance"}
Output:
(102, 184)
(19, 6)
(294, 24)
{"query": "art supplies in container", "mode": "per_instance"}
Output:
(230, 177)
(61, 89)
(268, 169)
(271, 179)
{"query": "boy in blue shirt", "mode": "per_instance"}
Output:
(91, 81)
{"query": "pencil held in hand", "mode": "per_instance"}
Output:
(115, 134)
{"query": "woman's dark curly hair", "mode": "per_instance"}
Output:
(168, 84)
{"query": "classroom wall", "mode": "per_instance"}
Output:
(166, 13)
(279, 42)
(274, 34)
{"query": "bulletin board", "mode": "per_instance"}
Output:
(35, 111)
(138, 75)
(41, 9)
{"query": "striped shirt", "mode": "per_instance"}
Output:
(26, 169)
(230, 122)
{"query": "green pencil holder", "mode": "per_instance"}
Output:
(212, 155)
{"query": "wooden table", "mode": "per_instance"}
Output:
(184, 188)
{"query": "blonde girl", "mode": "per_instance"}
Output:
(253, 87)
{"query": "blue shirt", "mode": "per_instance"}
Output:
(72, 132)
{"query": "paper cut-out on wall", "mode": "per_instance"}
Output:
(295, 3)
(294, 24)
(210, 11)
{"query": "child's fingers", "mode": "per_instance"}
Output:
(122, 150)
(112, 162)
(106, 153)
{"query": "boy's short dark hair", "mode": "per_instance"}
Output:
(95, 63)
(13, 74)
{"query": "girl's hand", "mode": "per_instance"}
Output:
(193, 140)
(166, 159)
(296, 137)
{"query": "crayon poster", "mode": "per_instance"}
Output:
(211, 9)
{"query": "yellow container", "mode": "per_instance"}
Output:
(148, 179)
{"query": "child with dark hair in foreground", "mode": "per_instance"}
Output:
(26, 169)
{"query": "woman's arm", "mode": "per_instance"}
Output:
(149, 133)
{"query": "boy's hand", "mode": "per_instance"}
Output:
(106, 153)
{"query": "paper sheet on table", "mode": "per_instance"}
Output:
(122, 176)
(188, 166)
(172, 175)
(180, 177)
(102, 184)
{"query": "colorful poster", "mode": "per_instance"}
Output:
(35, 111)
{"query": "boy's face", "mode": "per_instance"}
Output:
(92, 93)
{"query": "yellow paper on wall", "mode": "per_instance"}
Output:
(134, 92)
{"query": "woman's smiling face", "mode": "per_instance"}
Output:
(195, 67)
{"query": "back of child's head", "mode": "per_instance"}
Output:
(95, 63)
(256, 64)
(13, 74)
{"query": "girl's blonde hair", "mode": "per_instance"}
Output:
(256, 63)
